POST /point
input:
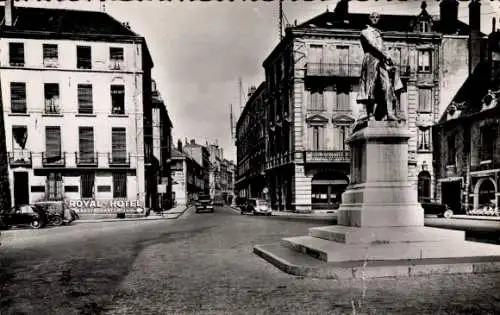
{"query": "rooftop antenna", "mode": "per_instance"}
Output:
(231, 122)
(240, 83)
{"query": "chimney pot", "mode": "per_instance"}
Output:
(193, 141)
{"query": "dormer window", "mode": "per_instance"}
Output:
(424, 26)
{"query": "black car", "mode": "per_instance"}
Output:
(31, 215)
(204, 203)
(439, 209)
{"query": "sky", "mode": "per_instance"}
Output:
(201, 49)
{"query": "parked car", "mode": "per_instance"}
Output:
(439, 209)
(240, 201)
(31, 215)
(204, 203)
(256, 206)
(57, 212)
(219, 201)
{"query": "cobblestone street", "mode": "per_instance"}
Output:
(203, 263)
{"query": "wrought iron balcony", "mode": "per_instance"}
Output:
(53, 159)
(86, 159)
(118, 159)
(327, 156)
(326, 69)
(20, 158)
(52, 106)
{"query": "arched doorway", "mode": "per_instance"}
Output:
(424, 186)
(327, 189)
(484, 193)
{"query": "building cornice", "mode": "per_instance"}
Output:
(70, 36)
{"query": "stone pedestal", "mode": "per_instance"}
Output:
(380, 222)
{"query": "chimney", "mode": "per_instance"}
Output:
(193, 141)
(475, 51)
(179, 145)
(448, 12)
(185, 140)
(341, 11)
(493, 25)
(9, 12)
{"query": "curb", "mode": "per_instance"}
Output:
(473, 217)
(166, 216)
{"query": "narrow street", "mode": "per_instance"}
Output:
(203, 264)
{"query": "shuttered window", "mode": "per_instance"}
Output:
(16, 54)
(51, 98)
(118, 145)
(119, 185)
(118, 99)
(83, 57)
(424, 100)
(343, 98)
(18, 97)
(86, 145)
(50, 51)
(85, 105)
(53, 143)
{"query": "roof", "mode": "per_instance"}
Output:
(32, 19)
(178, 154)
(43, 23)
(250, 101)
(387, 23)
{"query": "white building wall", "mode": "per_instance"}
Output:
(101, 76)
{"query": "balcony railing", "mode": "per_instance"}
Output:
(325, 69)
(52, 106)
(485, 166)
(86, 159)
(20, 158)
(53, 159)
(118, 159)
(338, 156)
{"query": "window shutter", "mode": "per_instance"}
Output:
(321, 138)
(85, 105)
(18, 97)
(53, 142)
(86, 144)
(118, 144)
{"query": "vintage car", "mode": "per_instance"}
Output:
(204, 203)
(30, 215)
(256, 206)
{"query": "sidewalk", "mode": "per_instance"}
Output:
(476, 217)
(173, 213)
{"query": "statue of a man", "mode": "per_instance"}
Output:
(380, 84)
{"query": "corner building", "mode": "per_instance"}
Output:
(312, 79)
(76, 89)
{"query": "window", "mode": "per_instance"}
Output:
(343, 98)
(116, 57)
(85, 99)
(54, 186)
(19, 138)
(488, 139)
(424, 61)
(16, 54)
(118, 99)
(119, 185)
(51, 98)
(424, 26)
(424, 187)
(86, 145)
(340, 135)
(53, 144)
(316, 53)
(424, 139)
(83, 57)
(452, 150)
(50, 55)
(18, 97)
(118, 145)
(395, 53)
(317, 137)
(87, 182)
(424, 100)
(317, 100)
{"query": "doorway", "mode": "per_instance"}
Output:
(451, 195)
(21, 188)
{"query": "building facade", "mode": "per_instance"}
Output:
(227, 181)
(160, 184)
(215, 172)
(74, 106)
(250, 145)
(188, 177)
(467, 140)
(200, 155)
(312, 82)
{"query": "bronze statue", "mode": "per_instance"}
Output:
(380, 84)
